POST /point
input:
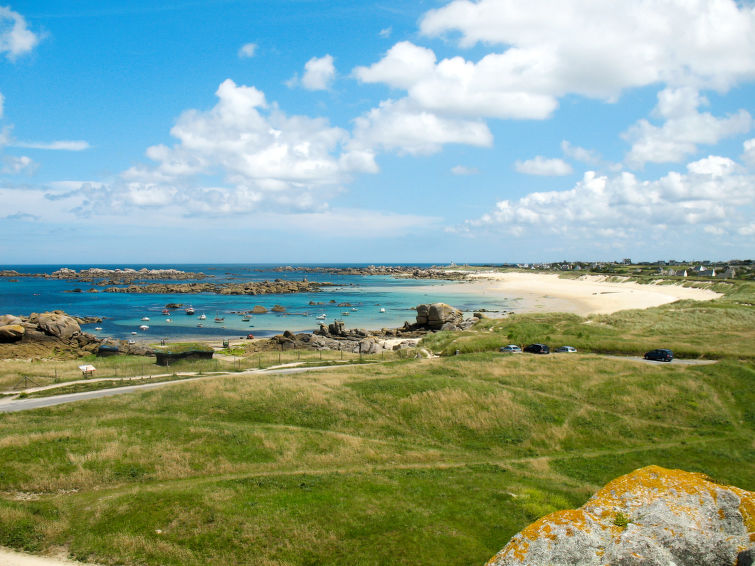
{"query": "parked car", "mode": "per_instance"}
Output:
(659, 355)
(537, 349)
(510, 349)
(567, 349)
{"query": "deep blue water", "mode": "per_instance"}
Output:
(123, 313)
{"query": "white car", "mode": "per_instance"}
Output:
(510, 349)
(567, 349)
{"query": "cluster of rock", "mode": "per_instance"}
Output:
(405, 271)
(278, 286)
(335, 336)
(42, 333)
(109, 276)
(652, 516)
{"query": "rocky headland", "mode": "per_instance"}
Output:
(653, 517)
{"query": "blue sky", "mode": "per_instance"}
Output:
(393, 131)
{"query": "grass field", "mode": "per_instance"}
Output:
(405, 462)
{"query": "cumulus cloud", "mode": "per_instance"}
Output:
(399, 126)
(261, 155)
(713, 192)
(683, 130)
(247, 50)
(59, 145)
(16, 38)
(702, 43)
(580, 153)
(749, 152)
(14, 165)
(319, 73)
(463, 170)
(540, 165)
(498, 86)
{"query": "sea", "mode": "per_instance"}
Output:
(377, 301)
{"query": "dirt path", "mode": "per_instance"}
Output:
(13, 558)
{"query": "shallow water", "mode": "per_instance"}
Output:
(122, 313)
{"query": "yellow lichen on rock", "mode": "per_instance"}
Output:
(669, 516)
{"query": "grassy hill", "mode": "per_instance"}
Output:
(407, 462)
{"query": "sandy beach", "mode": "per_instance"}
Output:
(588, 294)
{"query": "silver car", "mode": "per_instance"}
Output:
(567, 349)
(510, 349)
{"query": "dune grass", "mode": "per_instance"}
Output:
(405, 462)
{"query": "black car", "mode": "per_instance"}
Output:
(660, 355)
(537, 349)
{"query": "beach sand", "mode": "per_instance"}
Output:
(588, 294)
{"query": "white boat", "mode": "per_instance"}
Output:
(202, 316)
(189, 310)
(144, 327)
(145, 318)
(321, 317)
(98, 328)
(354, 309)
(382, 309)
(134, 333)
(245, 318)
(345, 313)
(168, 320)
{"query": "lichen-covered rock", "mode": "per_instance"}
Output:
(652, 516)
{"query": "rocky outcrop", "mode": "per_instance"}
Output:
(278, 286)
(43, 335)
(653, 517)
(439, 316)
(11, 333)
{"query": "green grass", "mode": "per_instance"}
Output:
(404, 462)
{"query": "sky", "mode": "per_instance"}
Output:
(486, 131)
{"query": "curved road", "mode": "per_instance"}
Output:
(9, 405)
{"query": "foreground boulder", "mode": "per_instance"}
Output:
(47, 334)
(11, 333)
(653, 517)
(438, 316)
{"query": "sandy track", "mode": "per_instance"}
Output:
(13, 558)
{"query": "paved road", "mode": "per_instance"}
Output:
(8, 405)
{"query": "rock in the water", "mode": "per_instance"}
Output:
(259, 309)
(11, 333)
(652, 516)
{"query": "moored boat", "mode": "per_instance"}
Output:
(189, 310)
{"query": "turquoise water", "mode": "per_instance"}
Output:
(122, 313)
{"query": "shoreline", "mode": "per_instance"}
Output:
(586, 295)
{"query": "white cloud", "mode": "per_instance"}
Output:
(463, 170)
(15, 38)
(600, 48)
(60, 145)
(319, 73)
(2, 101)
(714, 192)
(263, 156)
(386, 32)
(580, 153)
(398, 126)
(14, 165)
(540, 165)
(749, 152)
(683, 130)
(247, 50)
(498, 86)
